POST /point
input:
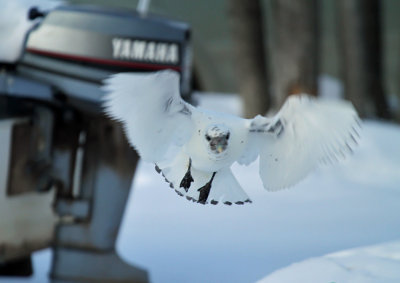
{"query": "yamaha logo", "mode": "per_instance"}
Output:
(145, 51)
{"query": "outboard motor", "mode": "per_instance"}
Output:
(66, 170)
(75, 48)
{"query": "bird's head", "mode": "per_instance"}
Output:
(217, 137)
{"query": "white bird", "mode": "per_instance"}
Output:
(194, 148)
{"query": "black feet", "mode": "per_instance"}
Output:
(205, 190)
(187, 179)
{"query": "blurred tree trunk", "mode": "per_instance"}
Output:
(294, 48)
(361, 49)
(251, 71)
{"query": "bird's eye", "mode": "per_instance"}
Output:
(227, 136)
(208, 137)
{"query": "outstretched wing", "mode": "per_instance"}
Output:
(305, 132)
(156, 120)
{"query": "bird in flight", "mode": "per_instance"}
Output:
(194, 148)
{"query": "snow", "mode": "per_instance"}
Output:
(373, 264)
(351, 204)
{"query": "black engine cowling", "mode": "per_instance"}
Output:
(75, 47)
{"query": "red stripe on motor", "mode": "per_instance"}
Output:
(103, 61)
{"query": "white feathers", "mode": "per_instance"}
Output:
(225, 188)
(313, 131)
(157, 121)
(194, 148)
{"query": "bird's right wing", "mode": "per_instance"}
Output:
(156, 120)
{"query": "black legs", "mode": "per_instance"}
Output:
(205, 190)
(188, 179)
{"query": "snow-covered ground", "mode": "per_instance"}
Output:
(375, 264)
(351, 204)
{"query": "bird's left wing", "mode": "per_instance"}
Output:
(157, 121)
(305, 132)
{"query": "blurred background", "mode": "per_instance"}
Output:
(268, 49)
(66, 192)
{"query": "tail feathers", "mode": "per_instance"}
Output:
(224, 187)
